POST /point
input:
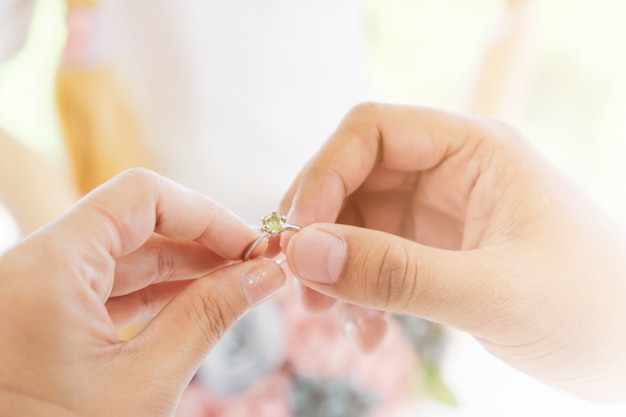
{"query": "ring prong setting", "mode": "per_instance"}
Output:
(273, 223)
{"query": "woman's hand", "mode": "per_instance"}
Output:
(458, 220)
(135, 247)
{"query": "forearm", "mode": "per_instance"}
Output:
(33, 191)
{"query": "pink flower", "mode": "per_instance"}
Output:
(268, 398)
(315, 345)
(402, 409)
(390, 369)
(85, 37)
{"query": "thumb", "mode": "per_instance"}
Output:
(386, 272)
(177, 340)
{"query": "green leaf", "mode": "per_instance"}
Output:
(434, 385)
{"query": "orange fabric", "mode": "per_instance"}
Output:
(81, 3)
(98, 127)
(96, 119)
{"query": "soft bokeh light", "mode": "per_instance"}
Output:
(9, 231)
(571, 104)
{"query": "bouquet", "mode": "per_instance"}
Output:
(282, 361)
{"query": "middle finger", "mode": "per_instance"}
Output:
(163, 259)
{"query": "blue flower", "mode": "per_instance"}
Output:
(311, 397)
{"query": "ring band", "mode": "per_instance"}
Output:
(271, 225)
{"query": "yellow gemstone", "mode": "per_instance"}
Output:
(273, 223)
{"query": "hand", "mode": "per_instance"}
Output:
(458, 220)
(136, 247)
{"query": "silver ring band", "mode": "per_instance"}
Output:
(251, 247)
(291, 227)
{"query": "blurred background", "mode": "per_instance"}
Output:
(241, 110)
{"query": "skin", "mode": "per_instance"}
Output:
(137, 246)
(457, 219)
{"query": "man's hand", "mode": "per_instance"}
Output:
(458, 220)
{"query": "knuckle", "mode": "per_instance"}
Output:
(211, 221)
(132, 177)
(145, 297)
(212, 316)
(397, 277)
(364, 110)
(137, 175)
(393, 279)
(495, 132)
(140, 182)
(165, 263)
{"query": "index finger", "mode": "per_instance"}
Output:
(400, 138)
(119, 216)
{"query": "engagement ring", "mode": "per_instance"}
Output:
(271, 225)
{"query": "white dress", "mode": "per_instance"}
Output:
(234, 97)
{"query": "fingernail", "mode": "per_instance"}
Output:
(365, 328)
(317, 255)
(262, 281)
